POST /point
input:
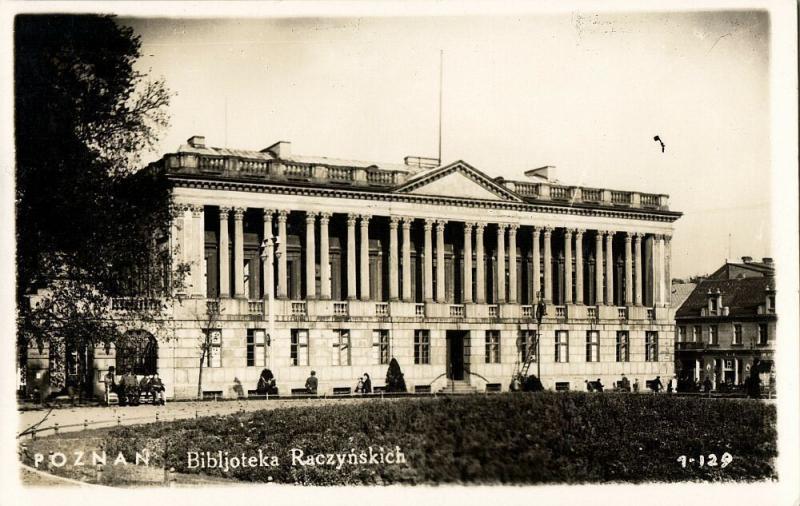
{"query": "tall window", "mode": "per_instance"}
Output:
(562, 346)
(214, 352)
(651, 346)
(623, 346)
(256, 344)
(299, 347)
(380, 347)
(763, 333)
(713, 334)
(527, 344)
(737, 333)
(492, 346)
(422, 347)
(697, 334)
(771, 304)
(592, 346)
(341, 347)
(246, 276)
(714, 306)
(682, 333)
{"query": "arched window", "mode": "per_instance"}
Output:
(137, 352)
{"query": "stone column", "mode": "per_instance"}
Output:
(311, 253)
(428, 263)
(394, 268)
(188, 246)
(480, 265)
(238, 252)
(282, 274)
(440, 277)
(548, 266)
(609, 268)
(364, 257)
(628, 270)
(567, 266)
(268, 262)
(598, 269)
(224, 254)
(667, 273)
(637, 256)
(198, 213)
(512, 263)
(351, 257)
(579, 266)
(467, 277)
(537, 267)
(501, 263)
(662, 282)
(324, 257)
(407, 259)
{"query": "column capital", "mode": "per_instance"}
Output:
(394, 221)
(628, 236)
(324, 218)
(468, 226)
(311, 217)
(429, 224)
(176, 210)
(513, 227)
(407, 221)
(536, 231)
(568, 232)
(667, 237)
(197, 210)
(440, 225)
(365, 219)
(268, 215)
(224, 212)
(479, 227)
(501, 227)
(282, 215)
(351, 219)
(548, 231)
(238, 213)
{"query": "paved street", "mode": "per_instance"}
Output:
(72, 419)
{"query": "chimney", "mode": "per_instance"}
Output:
(547, 172)
(197, 141)
(767, 260)
(747, 260)
(281, 149)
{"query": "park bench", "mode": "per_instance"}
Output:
(342, 390)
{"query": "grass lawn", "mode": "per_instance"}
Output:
(505, 438)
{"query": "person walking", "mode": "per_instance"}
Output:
(657, 385)
(598, 385)
(312, 383)
(636, 385)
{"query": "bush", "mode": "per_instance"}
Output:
(505, 438)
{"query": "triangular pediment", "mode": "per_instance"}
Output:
(457, 180)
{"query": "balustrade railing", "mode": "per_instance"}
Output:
(561, 311)
(340, 173)
(254, 167)
(340, 309)
(527, 189)
(618, 197)
(379, 177)
(457, 310)
(135, 304)
(648, 200)
(591, 312)
(255, 306)
(493, 311)
(212, 306)
(651, 313)
(208, 163)
(382, 309)
(622, 313)
(297, 171)
(298, 307)
(591, 194)
(560, 192)
(419, 310)
(527, 311)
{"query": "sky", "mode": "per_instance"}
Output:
(581, 91)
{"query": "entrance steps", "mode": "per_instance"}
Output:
(458, 387)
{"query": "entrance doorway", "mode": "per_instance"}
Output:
(456, 345)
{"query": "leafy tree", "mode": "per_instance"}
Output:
(394, 377)
(90, 225)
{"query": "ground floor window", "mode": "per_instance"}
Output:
(422, 347)
(562, 386)
(562, 346)
(623, 346)
(256, 346)
(492, 346)
(592, 346)
(526, 345)
(341, 347)
(381, 353)
(299, 347)
(137, 352)
(651, 346)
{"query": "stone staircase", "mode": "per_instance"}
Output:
(458, 387)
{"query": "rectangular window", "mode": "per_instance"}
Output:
(422, 347)
(214, 352)
(651, 346)
(562, 386)
(592, 346)
(737, 333)
(714, 305)
(682, 334)
(492, 346)
(527, 345)
(562, 346)
(381, 353)
(771, 304)
(341, 347)
(256, 342)
(713, 335)
(299, 347)
(763, 333)
(623, 346)
(697, 334)
(246, 275)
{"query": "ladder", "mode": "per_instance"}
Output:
(530, 357)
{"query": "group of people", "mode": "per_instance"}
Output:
(625, 385)
(363, 386)
(130, 389)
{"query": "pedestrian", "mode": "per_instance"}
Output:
(589, 386)
(266, 383)
(360, 386)
(657, 385)
(109, 381)
(157, 389)
(707, 386)
(367, 384)
(624, 384)
(673, 384)
(598, 385)
(636, 385)
(312, 383)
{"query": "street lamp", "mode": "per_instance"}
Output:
(541, 311)
(269, 253)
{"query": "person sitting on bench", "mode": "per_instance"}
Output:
(157, 389)
(312, 383)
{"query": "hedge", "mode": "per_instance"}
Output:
(514, 438)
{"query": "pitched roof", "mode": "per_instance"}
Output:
(428, 176)
(680, 292)
(742, 296)
(724, 272)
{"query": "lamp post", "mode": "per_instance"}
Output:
(541, 311)
(269, 249)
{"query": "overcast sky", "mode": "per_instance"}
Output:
(583, 92)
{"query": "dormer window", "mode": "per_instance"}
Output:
(770, 303)
(713, 305)
(714, 302)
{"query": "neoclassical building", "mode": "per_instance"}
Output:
(300, 263)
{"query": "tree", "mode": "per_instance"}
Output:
(208, 332)
(394, 377)
(90, 225)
